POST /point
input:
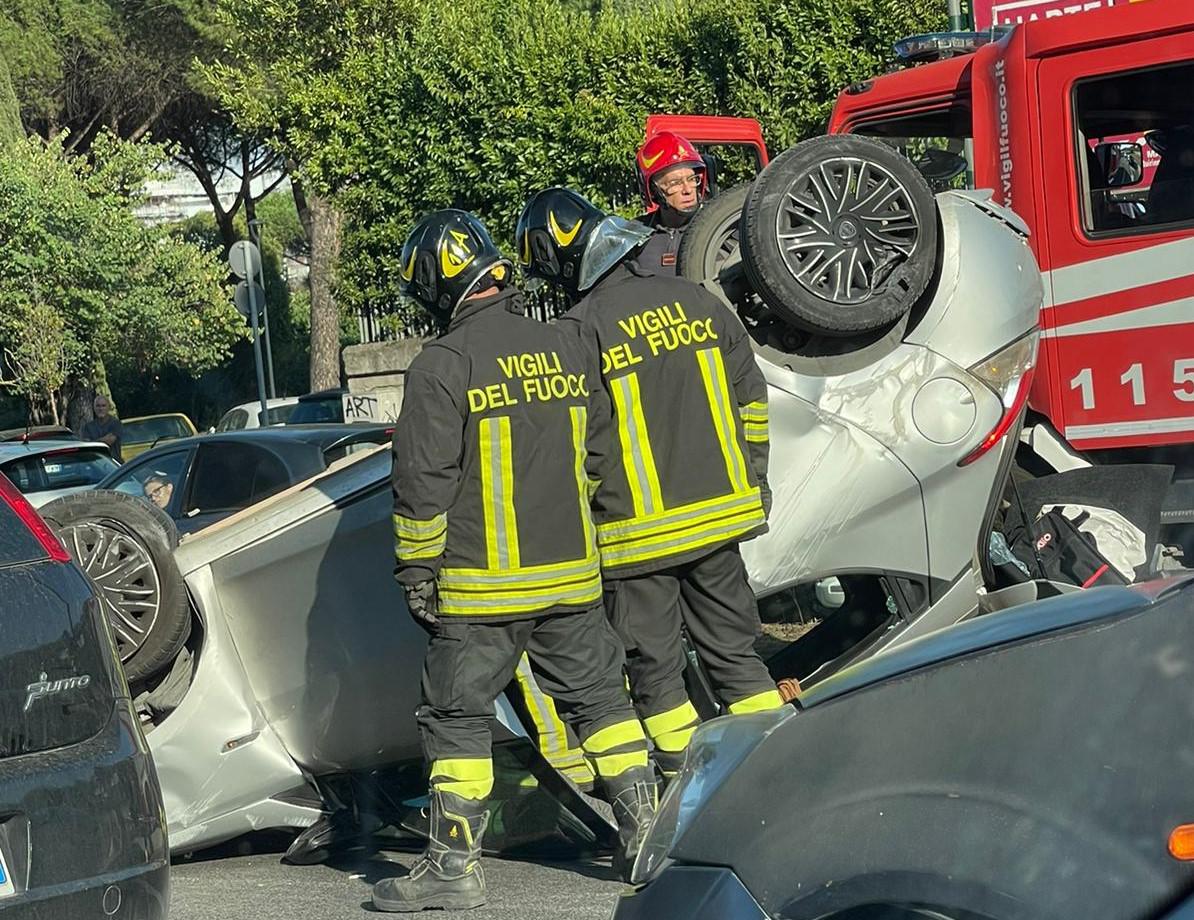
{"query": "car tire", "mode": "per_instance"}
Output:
(710, 241)
(126, 546)
(839, 235)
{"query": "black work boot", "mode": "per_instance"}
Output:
(634, 797)
(448, 875)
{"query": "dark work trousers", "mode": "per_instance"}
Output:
(576, 659)
(712, 599)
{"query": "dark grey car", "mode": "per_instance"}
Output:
(1029, 764)
(212, 476)
(82, 829)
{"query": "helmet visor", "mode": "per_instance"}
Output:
(609, 243)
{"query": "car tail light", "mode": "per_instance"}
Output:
(1181, 842)
(31, 519)
(1009, 374)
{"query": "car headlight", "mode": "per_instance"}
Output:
(715, 750)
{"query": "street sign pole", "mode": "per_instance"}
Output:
(958, 22)
(257, 351)
(245, 260)
(255, 227)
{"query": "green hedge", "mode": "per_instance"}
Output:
(404, 108)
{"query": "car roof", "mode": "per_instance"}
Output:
(323, 394)
(14, 450)
(269, 404)
(145, 418)
(321, 436)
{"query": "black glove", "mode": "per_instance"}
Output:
(765, 496)
(422, 603)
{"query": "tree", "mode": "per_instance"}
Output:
(10, 113)
(128, 68)
(394, 109)
(84, 283)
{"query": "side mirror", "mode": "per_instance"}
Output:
(1124, 163)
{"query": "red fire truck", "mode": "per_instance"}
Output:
(1062, 117)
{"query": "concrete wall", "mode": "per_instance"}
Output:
(376, 374)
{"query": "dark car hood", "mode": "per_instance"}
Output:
(1020, 623)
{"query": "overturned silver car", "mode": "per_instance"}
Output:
(292, 697)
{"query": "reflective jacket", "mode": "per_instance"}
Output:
(492, 453)
(690, 417)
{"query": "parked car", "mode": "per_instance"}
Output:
(319, 407)
(248, 415)
(1027, 764)
(38, 433)
(146, 431)
(200, 480)
(82, 832)
(47, 469)
(890, 452)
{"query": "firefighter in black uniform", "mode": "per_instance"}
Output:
(674, 183)
(493, 458)
(687, 477)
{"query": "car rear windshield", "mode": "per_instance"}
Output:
(154, 429)
(317, 410)
(277, 415)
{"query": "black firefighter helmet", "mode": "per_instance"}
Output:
(447, 256)
(564, 238)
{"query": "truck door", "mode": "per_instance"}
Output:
(1117, 160)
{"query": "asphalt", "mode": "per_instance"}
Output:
(257, 886)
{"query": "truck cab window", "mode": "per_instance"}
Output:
(1135, 150)
(938, 143)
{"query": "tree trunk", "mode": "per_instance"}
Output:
(323, 222)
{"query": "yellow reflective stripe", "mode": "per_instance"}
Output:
(430, 551)
(454, 603)
(415, 529)
(616, 735)
(680, 717)
(420, 539)
(637, 458)
(511, 521)
(755, 434)
(497, 492)
(683, 517)
(584, 488)
(467, 777)
(768, 699)
(553, 737)
(555, 573)
(753, 412)
(645, 550)
(675, 741)
(486, 448)
(617, 764)
(717, 390)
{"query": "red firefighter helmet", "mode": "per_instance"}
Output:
(662, 151)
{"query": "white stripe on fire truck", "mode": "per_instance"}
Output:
(1122, 429)
(1177, 312)
(1120, 272)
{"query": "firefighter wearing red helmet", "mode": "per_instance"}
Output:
(675, 184)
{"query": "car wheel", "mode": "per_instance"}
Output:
(710, 242)
(839, 235)
(126, 546)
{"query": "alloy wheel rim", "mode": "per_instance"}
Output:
(843, 225)
(126, 580)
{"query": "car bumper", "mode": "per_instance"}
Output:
(690, 893)
(82, 829)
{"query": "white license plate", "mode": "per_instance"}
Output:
(6, 886)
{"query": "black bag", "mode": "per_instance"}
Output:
(1055, 549)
